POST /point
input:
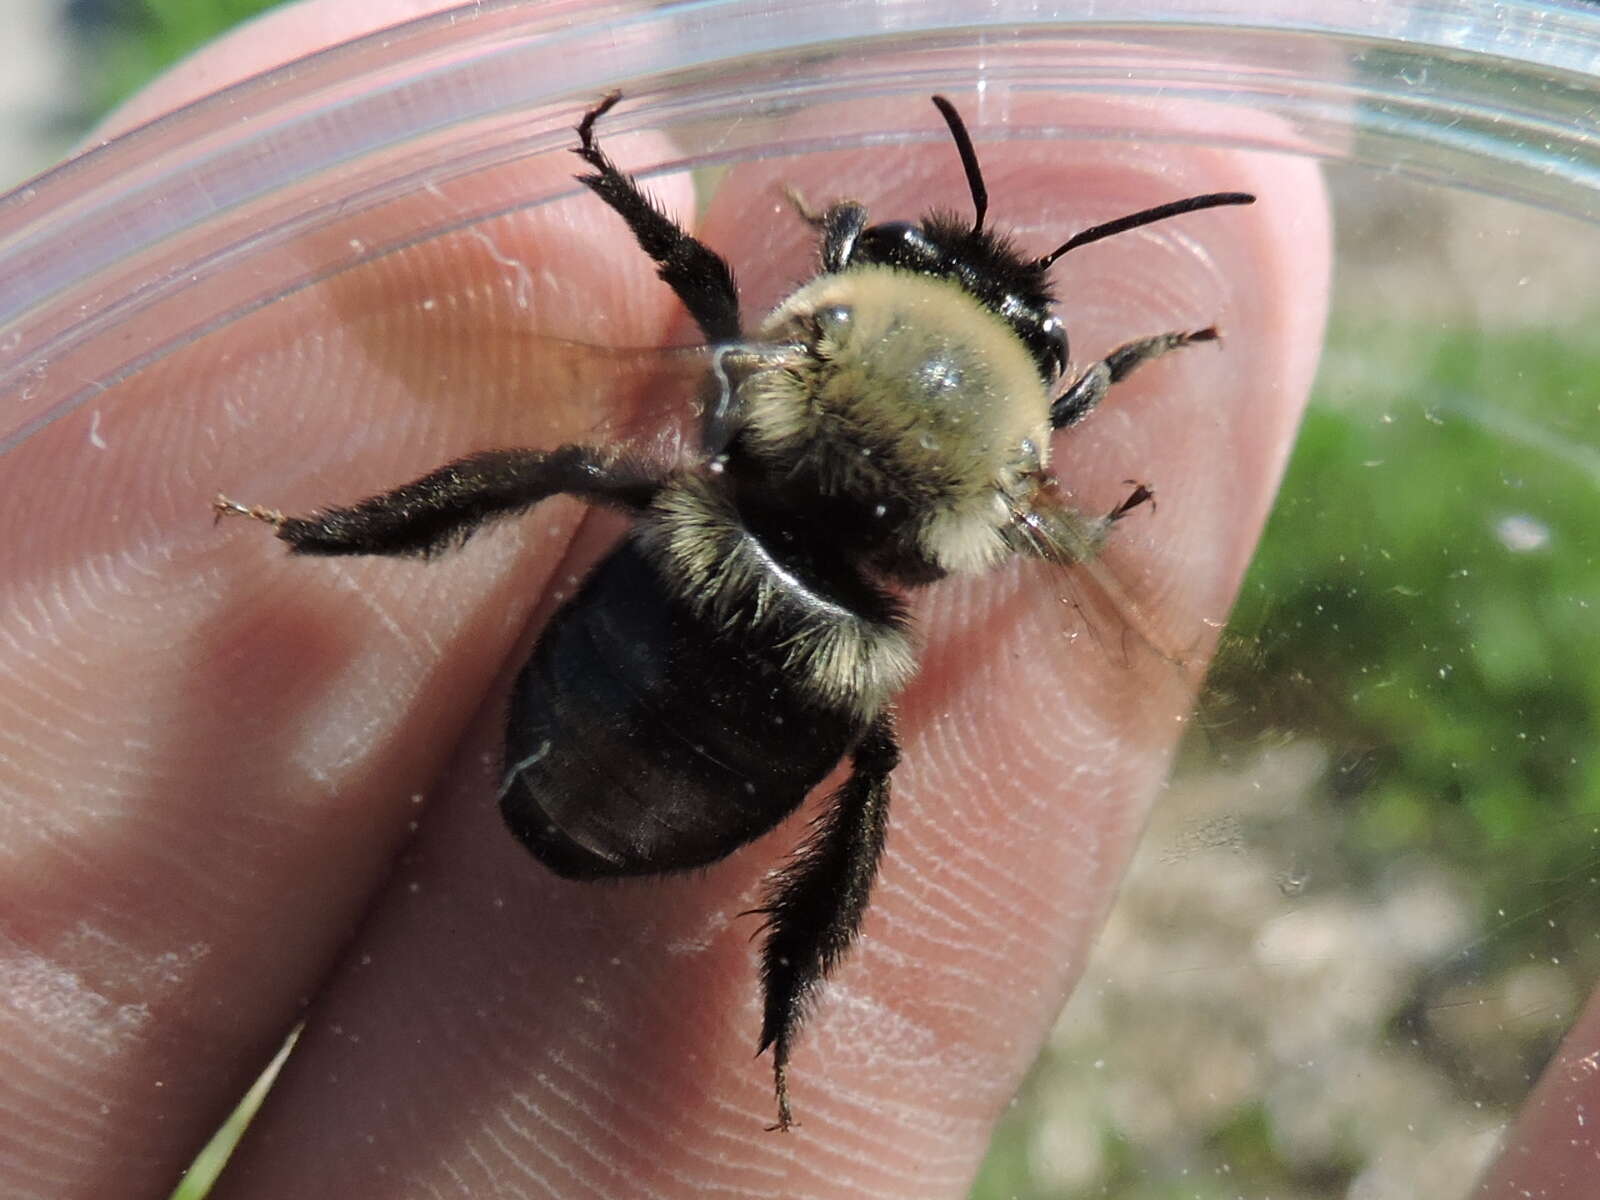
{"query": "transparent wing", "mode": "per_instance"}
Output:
(1114, 615)
(1097, 583)
(659, 405)
(650, 403)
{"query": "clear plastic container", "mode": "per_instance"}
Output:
(1355, 997)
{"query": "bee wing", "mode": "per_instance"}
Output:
(1097, 590)
(660, 405)
(1094, 584)
(649, 403)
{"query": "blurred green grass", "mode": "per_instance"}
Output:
(1430, 570)
(207, 1166)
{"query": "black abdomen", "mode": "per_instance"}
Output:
(641, 739)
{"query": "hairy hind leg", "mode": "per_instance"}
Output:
(815, 904)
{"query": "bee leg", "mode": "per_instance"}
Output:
(803, 210)
(699, 275)
(443, 508)
(839, 225)
(1090, 388)
(815, 903)
(839, 228)
(1142, 493)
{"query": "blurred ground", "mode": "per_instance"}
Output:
(38, 89)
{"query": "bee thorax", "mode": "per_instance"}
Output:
(905, 400)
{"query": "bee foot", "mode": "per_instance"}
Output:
(224, 507)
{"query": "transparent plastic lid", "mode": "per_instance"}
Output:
(1356, 932)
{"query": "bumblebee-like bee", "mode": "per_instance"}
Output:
(887, 424)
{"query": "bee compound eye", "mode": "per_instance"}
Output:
(833, 320)
(1055, 332)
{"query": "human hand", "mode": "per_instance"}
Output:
(230, 761)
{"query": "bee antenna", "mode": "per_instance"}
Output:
(1146, 217)
(969, 160)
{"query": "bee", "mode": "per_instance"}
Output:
(886, 425)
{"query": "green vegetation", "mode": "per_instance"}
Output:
(208, 1164)
(1425, 600)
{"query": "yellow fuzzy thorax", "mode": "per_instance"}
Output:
(910, 386)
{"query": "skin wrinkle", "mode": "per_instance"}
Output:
(42, 778)
(932, 887)
(580, 1082)
(852, 1140)
(81, 1125)
(79, 1120)
(912, 1040)
(571, 1132)
(923, 902)
(690, 1145)
(858, 1107)
(405, 641)
(934, 840)
(985, 955)
(519, 1163)
(67, 1003)
(458, 1179)
(693, 1138)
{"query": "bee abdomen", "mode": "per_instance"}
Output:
(643, 737)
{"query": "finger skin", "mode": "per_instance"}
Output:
(1552, 1151)
(491, 1029)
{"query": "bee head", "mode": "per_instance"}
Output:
(1012, 285)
